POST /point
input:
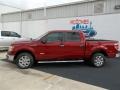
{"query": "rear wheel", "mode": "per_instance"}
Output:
(98, 60)
(24, 60)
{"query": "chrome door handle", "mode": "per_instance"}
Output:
(82, 46)
(62, 45)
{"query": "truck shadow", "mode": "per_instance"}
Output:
(106, 77)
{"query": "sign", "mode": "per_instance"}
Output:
(84, 25)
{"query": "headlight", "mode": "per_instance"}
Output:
(10, 48)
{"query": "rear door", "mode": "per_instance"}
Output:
(73, 46)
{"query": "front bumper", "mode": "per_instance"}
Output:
(10, 57)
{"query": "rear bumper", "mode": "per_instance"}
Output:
(117, 55)
(113, 55)
(10, 57)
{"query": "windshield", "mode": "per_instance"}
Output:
(41, 36)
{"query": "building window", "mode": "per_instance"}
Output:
(29, 16)
(98, 7)
(117, 5)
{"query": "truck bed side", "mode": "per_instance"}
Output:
(107, 47)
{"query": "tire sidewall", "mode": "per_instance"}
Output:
(24, 54)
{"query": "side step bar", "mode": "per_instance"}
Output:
(61, 61)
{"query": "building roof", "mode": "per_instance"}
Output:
(54, 6)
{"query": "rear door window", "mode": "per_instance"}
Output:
(72, 36)
(5, 33)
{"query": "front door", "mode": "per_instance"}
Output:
(52, 48)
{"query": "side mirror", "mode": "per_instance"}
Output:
(44, 41)
(31, 39)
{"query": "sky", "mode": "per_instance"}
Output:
(29, 4)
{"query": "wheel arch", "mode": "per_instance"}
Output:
(24, 51)
(102, 51)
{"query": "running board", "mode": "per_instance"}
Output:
(60, 61)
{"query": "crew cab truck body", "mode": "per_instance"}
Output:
(62, 46)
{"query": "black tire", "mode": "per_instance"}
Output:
(87, 62)
(24, 60)
(98, 60)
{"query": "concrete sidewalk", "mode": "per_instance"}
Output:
(12, 78)
(3, 55)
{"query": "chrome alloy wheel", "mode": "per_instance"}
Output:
(24, 61)
(98, 61)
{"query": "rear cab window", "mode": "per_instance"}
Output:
(5, 33)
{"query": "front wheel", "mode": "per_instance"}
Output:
(98, 60)
(24, 60)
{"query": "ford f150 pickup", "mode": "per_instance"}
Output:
(62, 46)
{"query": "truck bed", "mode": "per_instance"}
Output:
(99, 40)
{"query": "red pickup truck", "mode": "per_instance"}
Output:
(62, 46)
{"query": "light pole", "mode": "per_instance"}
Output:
(45, 16)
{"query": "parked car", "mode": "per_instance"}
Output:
(8, 37)
(62, 46)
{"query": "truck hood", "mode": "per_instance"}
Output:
(25, 42)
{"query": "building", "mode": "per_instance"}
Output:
(6, 9)
(100, 16)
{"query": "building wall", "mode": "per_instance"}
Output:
(94, 7)
(106, 26)
(12, 26)
(103, 15)
(6, 9)
(34, 29)
(0, 25)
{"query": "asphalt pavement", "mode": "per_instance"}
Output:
(107, 77)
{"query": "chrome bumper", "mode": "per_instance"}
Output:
(10, 57)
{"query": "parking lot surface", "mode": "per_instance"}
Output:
(13, 78)
(106, 77)
(67, 74)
